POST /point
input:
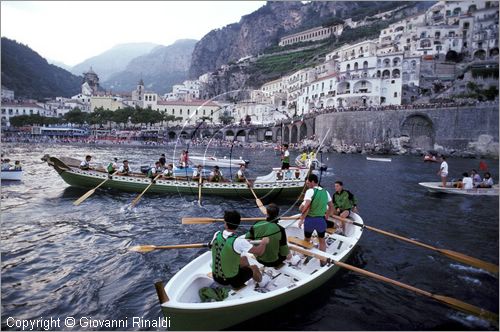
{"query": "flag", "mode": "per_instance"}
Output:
(483, 166)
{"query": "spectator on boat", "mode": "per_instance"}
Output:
(343, 202)
(124, 169)
(303, 158)
(154, 171)
(197, 172)
(216, 175)
(466, 181)
(229, 267)
(112, 166)
(487, 181)
(168, 173)
(476, 178)
(162, 160)
(184, 159)
(17, 166)
(240, 175)
(6, 164)
(277, 249)
(317, 206)
(443, 171)
(85, 165)
(285, 157)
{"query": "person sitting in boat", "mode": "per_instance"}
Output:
(216, 175)
(317, 206)
(154, 171)
(168, 173)
(466, 182)
(277, 249)
(240, 175)
(17, 166)
(285, 157)
(6, 165)
(487, 181)
(197, 172)
(229, 267)
(476, 178)
(344, 202)
(85, 165)
(124, 169)
(112, 166)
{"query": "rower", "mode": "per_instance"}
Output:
(85, 165)
(229, 267)
(343, 202)
(216, 175)
(168, 173)
(277, 249)
(316, 207)
(240, 175)
(112, 166)
(197, 173)
(154, 171)
(124, 169)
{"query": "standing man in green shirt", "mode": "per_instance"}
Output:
(317, 206)
(277, 249)
(285, 157)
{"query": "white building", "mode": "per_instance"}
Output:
(317, 33)
(7, 94)
(11, 109)
(190, 111)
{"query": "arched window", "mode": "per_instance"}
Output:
(355, 66)
(365, 65)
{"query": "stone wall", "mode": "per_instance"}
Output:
(462, 131)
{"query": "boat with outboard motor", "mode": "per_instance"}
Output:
(185, 311)
(11, 175)
(436, 187)
(277, 183)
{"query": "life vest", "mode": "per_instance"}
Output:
(217, 177)
(273, 250)
(319, 203)
(110, 167)
(286, 159)
(225, 261)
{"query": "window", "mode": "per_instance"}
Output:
(395, 94)
(180, 111)
(189, 111)
(3, 110)
(393, 81)
(203, 112)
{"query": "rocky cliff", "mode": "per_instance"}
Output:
(264, 27)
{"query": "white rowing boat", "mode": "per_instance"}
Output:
(221, 162)
(185, 310)
(435, 187)
(388, 160)
(11, 175)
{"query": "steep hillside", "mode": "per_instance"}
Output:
(31, 76)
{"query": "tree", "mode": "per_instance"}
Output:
(122, 115)
(76, 116)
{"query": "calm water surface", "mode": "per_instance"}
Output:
(61, 260)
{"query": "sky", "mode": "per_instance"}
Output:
(72, 31)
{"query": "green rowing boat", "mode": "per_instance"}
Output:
(275, 184)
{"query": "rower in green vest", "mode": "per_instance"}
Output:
(229, 267)
(277, 249)
(317, 206)
(154, 171)
(112, 166)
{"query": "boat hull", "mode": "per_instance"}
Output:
(11, 175)
(387, 160)
(434, 187)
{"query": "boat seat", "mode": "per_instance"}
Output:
(215, 283)
(302, 243)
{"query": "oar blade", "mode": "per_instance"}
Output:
(470, 260)
(142, 249)
(191, 220)
(467, 308)
(261, 206)
(84, 197)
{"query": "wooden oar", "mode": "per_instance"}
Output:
(204, 220)
(199, 189)
(450, 301)
(149, 247)
(261, 206)
(90, 192)
(449, 253)
(137, 199)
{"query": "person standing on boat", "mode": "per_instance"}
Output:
(277, 249)
(124, 169)
(443, 171)
(183, 159)
(112, 166)
(162, 160)
(240, 175)
(85, 165)
(315, 209)
(285, 157)
(229, 267)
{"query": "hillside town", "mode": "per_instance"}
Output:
(427, 58)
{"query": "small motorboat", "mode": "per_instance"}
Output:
(435, 187)
(11, 175)
(387, 160)
(316, 164)
(186, 311)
